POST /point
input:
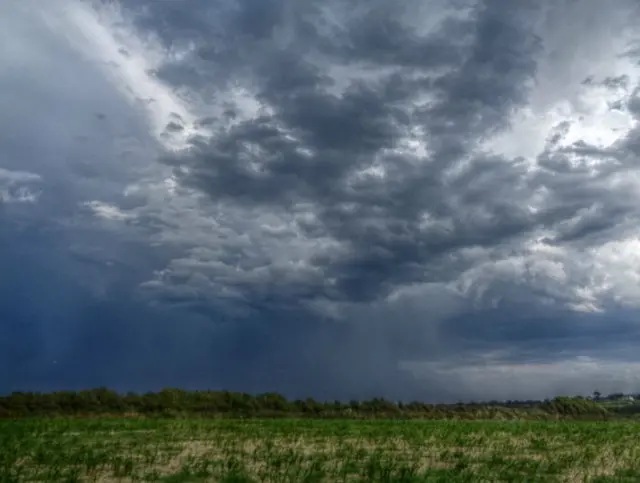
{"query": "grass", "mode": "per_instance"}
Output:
(280, 451)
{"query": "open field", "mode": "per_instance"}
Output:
(281, 451)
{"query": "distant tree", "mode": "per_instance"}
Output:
(171, 402)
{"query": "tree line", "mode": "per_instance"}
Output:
(181, 403)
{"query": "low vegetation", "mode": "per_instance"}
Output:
(285, 450)
(201, 436)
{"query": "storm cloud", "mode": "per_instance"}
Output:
(340, 199)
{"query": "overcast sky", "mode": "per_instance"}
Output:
(426, 199)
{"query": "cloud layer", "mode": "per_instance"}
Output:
(330, 198)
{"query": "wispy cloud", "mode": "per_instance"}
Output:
(18, 186)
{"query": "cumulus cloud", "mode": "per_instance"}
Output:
(399, 180)
(391, 162)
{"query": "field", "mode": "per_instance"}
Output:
(281, 451)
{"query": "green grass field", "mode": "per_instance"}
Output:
(281, 451)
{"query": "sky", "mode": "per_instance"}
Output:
(427, 199)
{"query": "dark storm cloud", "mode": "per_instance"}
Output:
(474, 72)
(278, 257)
(458, 85)
(542, 332)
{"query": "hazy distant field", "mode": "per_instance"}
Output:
(305, 451)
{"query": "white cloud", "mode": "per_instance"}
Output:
(107, 211)
(18, 186)
(494, 379)
(109, 39)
